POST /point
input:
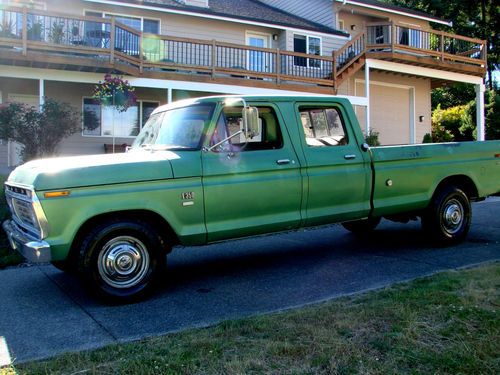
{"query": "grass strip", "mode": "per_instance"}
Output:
(444, 324)
(7, 256)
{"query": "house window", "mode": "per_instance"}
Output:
(147, 25)
(103, 121)
(380, 35)
(341, 25)
(310, 45)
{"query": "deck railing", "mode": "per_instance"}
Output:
(392, 37)
(348, 54)
(104, 38)
(107, 40)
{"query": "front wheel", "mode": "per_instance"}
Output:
(447, 219)
(121, 259)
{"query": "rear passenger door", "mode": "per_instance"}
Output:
(251, 186)
(338, 172)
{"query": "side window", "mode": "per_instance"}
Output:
(323, 127)
(230, 122)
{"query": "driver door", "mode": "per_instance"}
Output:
(251, 186)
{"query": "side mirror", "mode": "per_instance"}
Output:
(251, 122)
(365, 146)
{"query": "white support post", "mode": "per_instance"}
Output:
(169, 95)
(480, 89)
(41, 92)
(413, 130)
(367, 95)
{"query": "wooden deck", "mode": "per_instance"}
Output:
(47, 40)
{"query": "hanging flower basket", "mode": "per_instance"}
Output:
(116, 92)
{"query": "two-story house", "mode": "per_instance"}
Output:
(384, 58)
(395, 59)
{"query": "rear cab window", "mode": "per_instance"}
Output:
(323, 126)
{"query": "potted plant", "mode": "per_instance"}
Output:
(56, 34)
(117, 93)
(35, 30)
(7, 29)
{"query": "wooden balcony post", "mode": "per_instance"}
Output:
(278, 66)
(441, 45)
(25, 31)
(112, 41)
(214, 57)
(484, 51)
(334, 68)
(393, 34)
(141, 51)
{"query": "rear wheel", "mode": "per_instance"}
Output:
(447, 219)
(362, 226)
(121, 259)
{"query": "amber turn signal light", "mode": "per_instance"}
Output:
(55, 194)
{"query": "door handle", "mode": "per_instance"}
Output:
(349, 157)
(283, 161)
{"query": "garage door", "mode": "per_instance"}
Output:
(389, 113)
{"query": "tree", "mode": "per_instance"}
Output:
(38, 131)
(450, 96)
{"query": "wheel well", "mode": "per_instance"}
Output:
(462, 182)
(152, 218)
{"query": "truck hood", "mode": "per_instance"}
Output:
(78, 171)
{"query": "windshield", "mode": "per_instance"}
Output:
(179, 128)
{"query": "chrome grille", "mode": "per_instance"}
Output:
(20, 203)
(24, 212)
(18, 190)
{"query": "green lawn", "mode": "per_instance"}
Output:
(444, 324)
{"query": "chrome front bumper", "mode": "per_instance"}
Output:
(36, 251)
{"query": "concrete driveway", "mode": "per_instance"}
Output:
(44, 312)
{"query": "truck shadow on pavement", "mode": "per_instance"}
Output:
(264, 259)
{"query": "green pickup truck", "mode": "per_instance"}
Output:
(219, 168)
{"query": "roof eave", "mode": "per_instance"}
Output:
(336, 34)
(401, 12)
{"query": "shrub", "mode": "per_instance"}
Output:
(372, 138)
(459, 123)
(38, 131)
(449, 119)
(427, 138)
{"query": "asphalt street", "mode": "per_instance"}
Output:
(45, 312)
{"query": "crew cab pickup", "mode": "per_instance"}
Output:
(219, 168)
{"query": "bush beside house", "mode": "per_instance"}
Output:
(39, 131)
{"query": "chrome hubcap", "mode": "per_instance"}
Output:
(123, 262)
(453, 216)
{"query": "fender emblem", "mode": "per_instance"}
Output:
(187, 195)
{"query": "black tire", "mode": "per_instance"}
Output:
(359, 227)
(120, 260)
(447, 219)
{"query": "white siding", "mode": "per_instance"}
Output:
(319, 11)
(198, 28)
